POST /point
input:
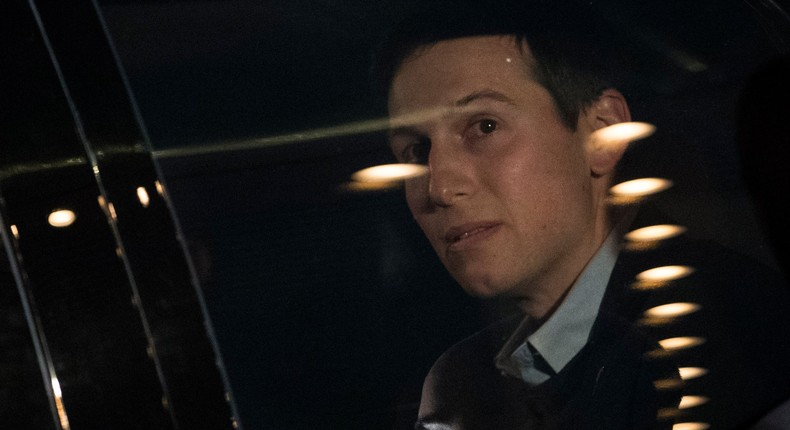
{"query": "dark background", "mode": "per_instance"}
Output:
(328, 305)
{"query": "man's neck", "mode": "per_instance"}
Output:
(542, 304)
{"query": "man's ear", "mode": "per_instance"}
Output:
(610, 108)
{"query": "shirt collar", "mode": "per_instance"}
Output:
(566, 332)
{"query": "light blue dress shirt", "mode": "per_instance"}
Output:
(566, 331)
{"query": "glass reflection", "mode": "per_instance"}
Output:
(687, 402)
(356, 186)
(623, 132)
(389, 172)
(668, 384)
(224, 288)
(690, 426)
(111, 211)
(642, 187)
(664, 273)
(672, 310)
(142, 195)
(655, 233)
(64, 419)
(679, 343)
(61, 218)
(687, 373)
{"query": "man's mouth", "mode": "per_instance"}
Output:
(464, 232)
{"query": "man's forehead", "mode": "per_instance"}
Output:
(465, 48)
(457, 72)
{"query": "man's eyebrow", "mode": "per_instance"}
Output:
(405, 125)
(405, 131)
(483, 95)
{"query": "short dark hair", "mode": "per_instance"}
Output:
(569, 45)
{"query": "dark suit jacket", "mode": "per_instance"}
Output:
(622, 379)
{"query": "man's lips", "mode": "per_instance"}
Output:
(457, 235)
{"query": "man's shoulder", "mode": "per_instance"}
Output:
(479, 349)
(725, 317)
(689, 268)
(690, 247)
(465, 388)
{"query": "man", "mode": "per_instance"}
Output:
(515, 203)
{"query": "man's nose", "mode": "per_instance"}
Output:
(449, 175)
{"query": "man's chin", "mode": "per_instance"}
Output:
(484, 290)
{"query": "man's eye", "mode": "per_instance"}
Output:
(417, 153)
(487, 126)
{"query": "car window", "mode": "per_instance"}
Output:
(323, 300)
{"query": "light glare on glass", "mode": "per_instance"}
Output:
(672, 310)
(692, 401)
(14, 230)
(664, 273)
(61, 218)
(690, 426)
(356, 186)
(142, 195)
(64, 419)
(389, 172)
(111, 210)
(678, 343)
(624, 132)
(655, 233)
(640, 187)
(56, 387)
(687, 373)
(668, 384)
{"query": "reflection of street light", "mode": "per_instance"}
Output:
(622, 132)
(691, 401)
(655, 232)
(64, 419)
(61, 218)
(664, 273)
(56, 387)
(356, 186)
(687, 373)
(142, 195)
(640, 187)
(672, 310)
(389, 173)
(691, 426)
(659, 277)
(678, 343)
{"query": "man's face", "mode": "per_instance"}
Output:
(508, 203)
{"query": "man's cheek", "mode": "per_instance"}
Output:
(416, 191)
